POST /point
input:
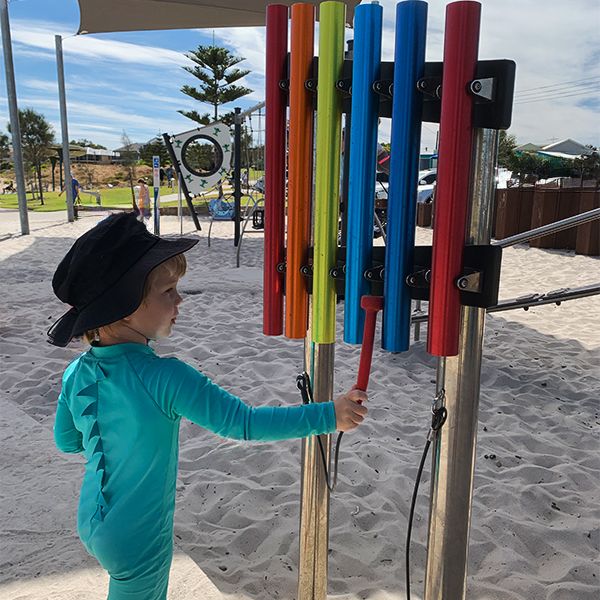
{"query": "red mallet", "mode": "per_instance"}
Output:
(371, 305)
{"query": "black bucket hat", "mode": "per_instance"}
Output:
(102, 276)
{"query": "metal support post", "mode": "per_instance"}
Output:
(453, 461)
(237, 173)
(314, 503)
(64, 127)
(15, 128)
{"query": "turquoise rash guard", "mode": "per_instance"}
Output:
(121, 406)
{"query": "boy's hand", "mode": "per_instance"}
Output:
(349, 412)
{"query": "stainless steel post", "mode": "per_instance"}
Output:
(15, 129)
(459, 376)
(64, 127)
(314, 502)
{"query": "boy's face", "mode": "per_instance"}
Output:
(156, 315)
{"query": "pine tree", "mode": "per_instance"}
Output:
(214, 67)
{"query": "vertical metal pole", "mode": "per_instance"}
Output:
(459, 376)
(156, 186)
(314, 505)
(237, 173)
(15, 128)
(64, 127)
(179, 204)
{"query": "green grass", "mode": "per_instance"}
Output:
(117, 197)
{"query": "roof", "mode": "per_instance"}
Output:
(529, 147)
(129, 148)
(568, 147)
(144, 15)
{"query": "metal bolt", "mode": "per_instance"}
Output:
(476, 86)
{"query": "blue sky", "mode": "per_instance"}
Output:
(131, 81)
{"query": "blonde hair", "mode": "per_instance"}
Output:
(176, 266)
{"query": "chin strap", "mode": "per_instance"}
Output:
(148, 340)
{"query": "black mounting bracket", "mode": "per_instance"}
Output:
(478, 283)
(492, 89)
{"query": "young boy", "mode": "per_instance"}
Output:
(121, 404)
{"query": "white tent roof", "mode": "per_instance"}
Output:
(141, 15)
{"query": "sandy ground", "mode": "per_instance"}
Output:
(535, 524)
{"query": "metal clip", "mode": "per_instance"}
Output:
(374, 273)
(306, 270)
(311, 85)
(303, 384)
(383, 87)
(284, 84)
(338, 272)
(344, 86)
(432, 86)
(281, 267)
(419, 279)
(483, 88)
(470, 282)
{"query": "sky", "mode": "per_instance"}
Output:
(130, 82)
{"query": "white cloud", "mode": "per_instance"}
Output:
(551, 41)
(40, 35)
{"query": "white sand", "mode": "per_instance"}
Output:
(535, 527)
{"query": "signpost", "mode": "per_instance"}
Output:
(156, 183)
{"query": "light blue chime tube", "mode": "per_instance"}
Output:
(407, 104)
(362, 165)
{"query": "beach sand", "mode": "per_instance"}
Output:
(535, 524)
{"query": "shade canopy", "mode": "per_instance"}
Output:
(144, 15)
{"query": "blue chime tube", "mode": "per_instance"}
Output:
(362, 165)
(409, 64)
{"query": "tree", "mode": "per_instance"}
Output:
(506, 150)
(87, 144)
(129, 158)
(588, 165)
(155, 147)
(36, 136)
(4, 151)
(214, 67)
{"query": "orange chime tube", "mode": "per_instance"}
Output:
(299, 169)
(277, 21)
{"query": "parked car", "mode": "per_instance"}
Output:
(426, 185)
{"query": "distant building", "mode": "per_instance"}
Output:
(568, 148)
(97, 155)
(131, 148)
(565, 149)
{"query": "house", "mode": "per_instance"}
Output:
(96, 155)
(569, 149)
(129, 149)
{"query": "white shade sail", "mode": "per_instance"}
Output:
(141, 15)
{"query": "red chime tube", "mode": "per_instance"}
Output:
(276, 50)
(453, 180)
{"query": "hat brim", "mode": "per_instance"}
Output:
(121, 299)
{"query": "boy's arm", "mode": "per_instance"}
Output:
(66, 436)
(191, 394)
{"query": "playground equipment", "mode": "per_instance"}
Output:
(228, 159)
(458, 275)
(408, 90)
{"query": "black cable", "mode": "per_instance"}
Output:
(303, 384)
(437, 420)
(411, 515)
